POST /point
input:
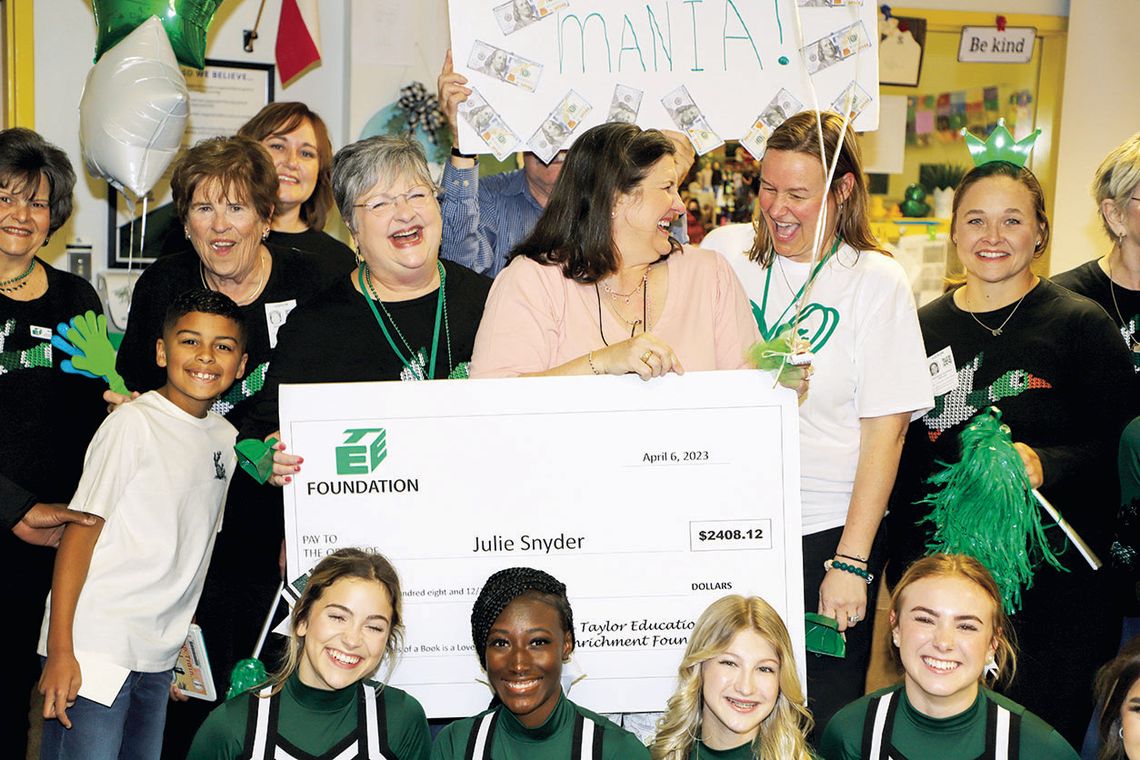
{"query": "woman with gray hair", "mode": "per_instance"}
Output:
(1113, 280)
(403, 313)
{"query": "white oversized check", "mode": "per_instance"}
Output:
(648, 500)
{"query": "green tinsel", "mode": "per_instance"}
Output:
(983, 506)
(772, 356)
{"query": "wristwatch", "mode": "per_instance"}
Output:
(458, 154)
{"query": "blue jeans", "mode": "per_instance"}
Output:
(130, 729)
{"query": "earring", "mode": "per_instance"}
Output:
(895, 639)
(991, 668)
(186, 232)
(265, 235)
(1120, 732)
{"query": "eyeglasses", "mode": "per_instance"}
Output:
(384, 205)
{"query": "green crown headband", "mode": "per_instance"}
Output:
(1000, 146)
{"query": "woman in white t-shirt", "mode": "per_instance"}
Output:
(871, 373)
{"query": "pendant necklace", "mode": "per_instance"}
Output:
(644, 321)
(995, 331)
(364, 277)
(1124, 326)
(19, 281)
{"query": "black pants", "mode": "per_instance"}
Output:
(834, 682)
(28, 571)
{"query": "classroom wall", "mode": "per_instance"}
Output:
(1100, 109)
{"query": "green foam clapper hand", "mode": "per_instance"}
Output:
(823, 636)
(88, 333)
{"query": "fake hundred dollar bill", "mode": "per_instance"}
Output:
(518, 14)
(783, 105)
(487, 123)
(853, 99)
(556, 129)
(625, 104)
(691, 120)
(504, 66)
(835, 47)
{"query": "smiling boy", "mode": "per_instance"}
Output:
(125, 588)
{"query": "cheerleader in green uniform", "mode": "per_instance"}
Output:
(523, 630)
(319, 706)
(738, 695)
(950, 634)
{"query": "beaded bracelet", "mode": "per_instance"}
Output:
(590, 359)
(831, 564)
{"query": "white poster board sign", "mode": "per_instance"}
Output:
(546, 70)
(648, 500)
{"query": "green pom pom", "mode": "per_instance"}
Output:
(772, 356)
(983, 506)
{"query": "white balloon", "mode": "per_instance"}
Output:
(133, 111)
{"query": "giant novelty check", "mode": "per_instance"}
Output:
(648, 500)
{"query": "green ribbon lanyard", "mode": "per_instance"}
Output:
(364, 290)
(798, 293)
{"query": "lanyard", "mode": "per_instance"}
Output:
(768, 334)
(366, 289)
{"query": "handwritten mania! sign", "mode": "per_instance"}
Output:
(544, 71)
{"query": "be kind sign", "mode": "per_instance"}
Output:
(544, 71)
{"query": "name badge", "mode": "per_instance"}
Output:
(43, 333)
(275, 316)
(943, 371)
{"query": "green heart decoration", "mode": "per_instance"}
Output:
(186, 23)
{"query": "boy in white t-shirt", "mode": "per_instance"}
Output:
(124, 589)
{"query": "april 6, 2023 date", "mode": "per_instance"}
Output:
(674, 457)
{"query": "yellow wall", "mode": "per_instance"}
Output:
(19, 66)
(941, 72)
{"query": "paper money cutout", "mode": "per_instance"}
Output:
(691, 120)
(853, 98)
(625, 104)
(556, 129)
(505, 66)
(779, 108)
(519, 14)
(835, 47)
(487, 123)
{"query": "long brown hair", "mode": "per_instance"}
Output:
(343, 563)
(576, 231)
(283, 118)
(799, 134)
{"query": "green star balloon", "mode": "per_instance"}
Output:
(185, 21)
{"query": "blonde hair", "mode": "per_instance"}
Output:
(343, 563)
(967, 568)
(783, 734)
(1116, 178)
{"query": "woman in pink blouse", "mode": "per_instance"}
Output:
(601, 288)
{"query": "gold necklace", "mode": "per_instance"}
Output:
(1124, 326)
(251, 295)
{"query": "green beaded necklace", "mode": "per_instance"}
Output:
(364, 276)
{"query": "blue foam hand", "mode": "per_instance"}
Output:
(71, 369)
(63, 345)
